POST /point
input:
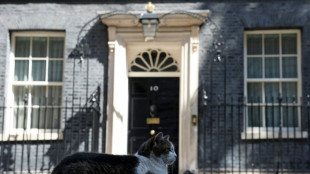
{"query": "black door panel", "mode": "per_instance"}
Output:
(139, 108)
(163, 93)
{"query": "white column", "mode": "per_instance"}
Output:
(109, 122)
(193, 95)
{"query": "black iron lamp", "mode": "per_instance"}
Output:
(149, 23)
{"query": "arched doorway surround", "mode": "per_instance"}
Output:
(179, 35)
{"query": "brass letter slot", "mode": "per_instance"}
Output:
(154, 120)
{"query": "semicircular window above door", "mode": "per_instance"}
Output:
(154, 60)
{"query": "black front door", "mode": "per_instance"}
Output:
(153, 98)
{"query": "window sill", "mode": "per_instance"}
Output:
(273, 135)
(30, 137)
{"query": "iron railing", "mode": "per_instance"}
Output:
(227, 141)
(39, 150)
(276, 141)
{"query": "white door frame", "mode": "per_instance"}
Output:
(120, 40)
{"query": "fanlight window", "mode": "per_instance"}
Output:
(154, 61)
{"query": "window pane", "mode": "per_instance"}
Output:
(21, 70)
(20, 92)
(289, 67)
(20, 117)
(22, 47)
(56, 47)
(289, 92)
(38, 70)
(45, 118)
(254, 92)
(55, 70)
(52, 118)
(290, 116)
(271, 44)
(272, 116)
(54, 95)
(254, 44)
(272, 92)
(39, 46)
(254, 68)
(272, 67)
(254, 116)
(36, 118)
(38, 95)
(289, 43)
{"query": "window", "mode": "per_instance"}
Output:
(272, 67)
(154, 60)
(37, 80)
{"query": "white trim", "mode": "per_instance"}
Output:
(131, 58)
(153, 74)
(173, 48)
(274, 80)
(263, 80)
(120, 44)
(32, 134)
(39, 33)
(37, 83)
(171, 21)
(272, 31)
(273, 135)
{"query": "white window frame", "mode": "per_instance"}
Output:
(19, 134)
(174, 52)
(265, 132)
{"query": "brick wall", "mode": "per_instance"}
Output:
(223, 126)
(230, 20)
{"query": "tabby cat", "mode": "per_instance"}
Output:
(153, 157)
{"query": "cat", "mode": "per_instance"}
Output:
(152, 157)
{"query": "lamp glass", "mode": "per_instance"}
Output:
(150, 27)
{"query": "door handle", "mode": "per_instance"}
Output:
(152, 132)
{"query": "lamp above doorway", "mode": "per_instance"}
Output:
(152, 23)
(149, 23)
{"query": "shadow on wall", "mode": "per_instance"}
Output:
(77, 137)
(78, 129)
(92, 42)
(77, 120)
(92, 69)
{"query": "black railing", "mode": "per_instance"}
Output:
(236, 136)
(248, 137)
(37, 146)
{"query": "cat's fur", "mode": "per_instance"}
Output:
(152, 158)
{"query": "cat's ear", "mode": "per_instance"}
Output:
(166, 137)
(146, 148)
(159, 137)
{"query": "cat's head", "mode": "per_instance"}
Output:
(161, 147)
